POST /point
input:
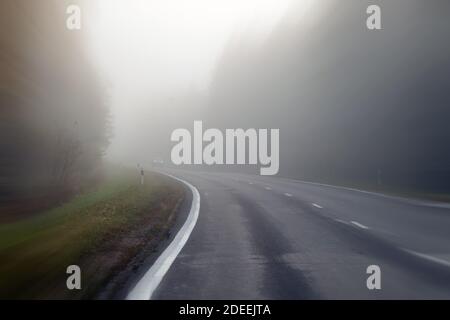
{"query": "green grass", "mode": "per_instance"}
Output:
(100, 230)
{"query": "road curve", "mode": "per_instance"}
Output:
(273, 238)
(144, 288)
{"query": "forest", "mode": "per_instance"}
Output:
(53, 119)
(353, 105)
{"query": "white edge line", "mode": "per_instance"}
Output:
(341, 221)
(428, 257)
(317, 206)
(288, 194)
(419, 202)
(359, 225)
(152, 278)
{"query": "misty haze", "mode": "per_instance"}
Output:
(349, 124)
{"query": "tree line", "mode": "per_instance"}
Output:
(352, 104)
(54, 120)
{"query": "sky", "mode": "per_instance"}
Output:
(151, 48)
(308, 68)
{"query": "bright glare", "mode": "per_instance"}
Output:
(152, 48)
(160, 44)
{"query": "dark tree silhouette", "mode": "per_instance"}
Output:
(54, 123)
(352, 104)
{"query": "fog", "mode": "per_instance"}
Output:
(351, 104)
(159, 57)
(54, 115)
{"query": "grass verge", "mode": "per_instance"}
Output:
(100, 231)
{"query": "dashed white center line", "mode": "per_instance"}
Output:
(359, 225)
(268, 188)
(317, 206)
(250, 183)
(288, 195)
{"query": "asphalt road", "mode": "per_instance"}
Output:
(273, 238)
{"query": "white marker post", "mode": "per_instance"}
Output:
(142, 176)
